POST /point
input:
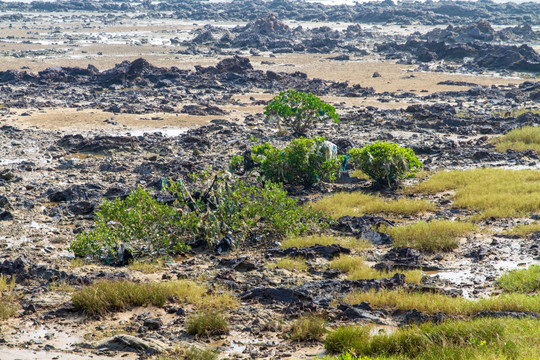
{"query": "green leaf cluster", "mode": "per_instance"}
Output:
(386, 163)
(302, 162)
(300, 111)
(212, 206)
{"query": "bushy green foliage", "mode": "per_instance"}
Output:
(299, 110)
(386, 163)
(138, 221)
(212, 206)
(302, 162)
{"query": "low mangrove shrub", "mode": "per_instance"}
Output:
(299, 111)
(386, 163)
(209, 208)
(302, 162)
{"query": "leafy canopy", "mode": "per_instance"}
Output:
(299, 110)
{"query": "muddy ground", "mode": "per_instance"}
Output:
(149, 107)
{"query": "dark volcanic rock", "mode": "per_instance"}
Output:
(361, 226)
(325, 251)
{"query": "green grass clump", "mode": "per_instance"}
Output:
(521, 281)
(483, 338)
(491, 192)
(357, 269)
(526, 229)
(207, 323)
(432, 303)
(308, 328)
(526, 138)
(291, 264)
(190, 353)
(430, 236)
(358, 203)
(105, 296)
(307, 241)
(345, 338)
(8, 306)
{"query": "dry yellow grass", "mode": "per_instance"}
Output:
(358, 203)
(526, 138)
(147, 267)
(306, 241)
(432, 303)
(357, 269)
(291, 264)
(8, 305)
(490, 192)
(430, 236)
(106, 296)
(526, 229)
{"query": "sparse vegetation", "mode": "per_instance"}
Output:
(386, 163)
(491, 192)
(214, 207)
(516, 112)
(436, 235)
(525, 229)
(308, 328)
(190, 353)
(482, 338)
(358, 203)
(302, 162)
(291, 264)
(299, 111)
(8, 306)
(433, 303)
(148, 266)
(106, 296)
(207, 323)
(526, 138)
(356, 269)
(522, 280)
(306, 241)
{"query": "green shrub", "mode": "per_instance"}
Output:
(385, 163)
(302, 162)
(213, 207)
(299, 111)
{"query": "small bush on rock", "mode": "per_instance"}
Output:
(299, 111)
(386, 163)
(302, 162)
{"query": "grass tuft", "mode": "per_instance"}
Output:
(528, 137)
(105, 296)
(8, 306)
(207, 323)
(190, 353)
(491, 192)
(146, 267)
(526, 229)
(308, 328)
(521, 281)
(358, 203)
(483, 338)
(291, 264)
(357, 269)
(432, 303)
(307, 241)
(345, 338)
(430, 236)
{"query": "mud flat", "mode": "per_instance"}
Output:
(95, 103)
